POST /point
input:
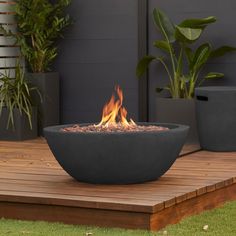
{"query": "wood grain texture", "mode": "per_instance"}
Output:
(192, 206)
(32, 181)
(72, 215)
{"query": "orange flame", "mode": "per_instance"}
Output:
(114, 111)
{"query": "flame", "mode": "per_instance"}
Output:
(114, 113)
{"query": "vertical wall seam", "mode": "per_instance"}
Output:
(142, 51)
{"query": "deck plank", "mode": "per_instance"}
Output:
(31, 178)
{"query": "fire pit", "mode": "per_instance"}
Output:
(114, 152)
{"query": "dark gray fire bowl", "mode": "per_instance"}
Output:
(116, 158)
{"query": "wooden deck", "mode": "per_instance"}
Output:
(34, 187)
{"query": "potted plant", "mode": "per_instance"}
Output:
(176, 45)
(40, 24)
(18, 116)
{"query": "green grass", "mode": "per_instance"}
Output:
(221, 222)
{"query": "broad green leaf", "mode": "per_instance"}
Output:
(164, 24)
(189, 34)
(163, 45)
(221, 51)
(197, 23)
(201, 56)
(214, 75)
(143, 65)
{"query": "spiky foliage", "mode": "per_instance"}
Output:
(16, 93)
(40, 24)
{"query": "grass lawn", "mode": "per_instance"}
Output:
(220, 221)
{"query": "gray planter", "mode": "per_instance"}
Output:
(180, 111)
(22, 130)
(216, 117)
(48, 108)
(116, 158)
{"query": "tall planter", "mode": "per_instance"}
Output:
(180, 111)
(48, 105)
(22, 129)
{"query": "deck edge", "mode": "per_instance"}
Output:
(207, 201)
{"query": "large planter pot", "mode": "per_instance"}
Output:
(216, 117)
(48, 107)
(21, 130)
(116, 157)
(180, 111)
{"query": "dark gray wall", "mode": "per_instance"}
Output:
(220, 33)
(99, 51)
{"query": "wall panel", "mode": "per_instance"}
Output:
(99, 51)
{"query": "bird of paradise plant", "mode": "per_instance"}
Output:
(176, 44)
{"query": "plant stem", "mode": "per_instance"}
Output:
(168, 72)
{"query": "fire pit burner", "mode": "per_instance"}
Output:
(116, 151)
(113, 128)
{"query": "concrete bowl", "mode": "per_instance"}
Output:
(117, 157)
